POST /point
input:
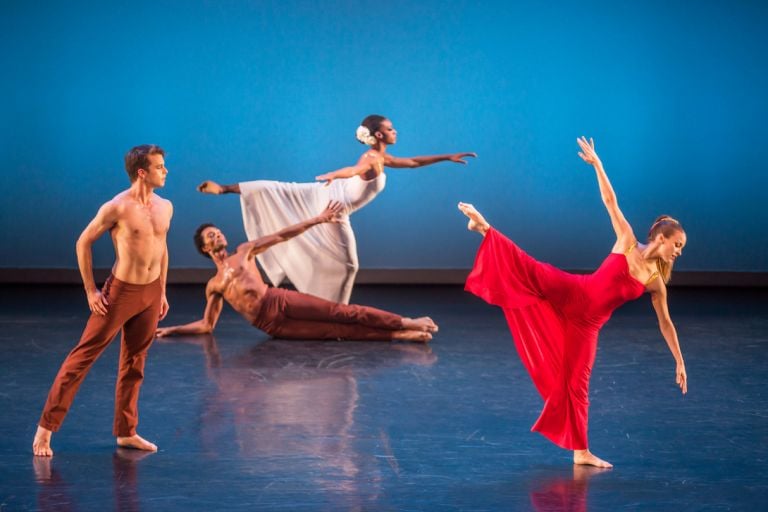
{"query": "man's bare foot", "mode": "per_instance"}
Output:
(423, 323)
(411, 335)
(588, 459)
(41, 446)
(137, 443)
(476, 221)
(210, 187)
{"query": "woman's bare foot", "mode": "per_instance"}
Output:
(210, 187)
(588, 459)
(476, 221)
(137, 443)
(41, 446)
(423, 323)
(411, 335)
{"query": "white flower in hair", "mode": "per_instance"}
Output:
(363, 134)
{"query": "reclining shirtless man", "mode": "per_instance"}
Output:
(285, 313)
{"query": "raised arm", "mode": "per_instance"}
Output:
(624, 234)
(105, 219)
(659, 300)
(213, 307)
(332, 213)
(421, 161)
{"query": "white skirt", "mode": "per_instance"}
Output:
(322, 261)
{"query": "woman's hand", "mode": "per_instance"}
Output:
(210, 187)
(588, 153)
(327, 178)
(681, 378)
(459, 157)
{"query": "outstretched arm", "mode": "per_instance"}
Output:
(421, 161)
(332, 213)
(659, 300)
(624, 235)
(105, 219)
(365, 164)
(215, 302)
(211, 187)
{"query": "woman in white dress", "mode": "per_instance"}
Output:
(322, 261)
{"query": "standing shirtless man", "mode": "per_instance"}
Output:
(133, 298)
(285, 313)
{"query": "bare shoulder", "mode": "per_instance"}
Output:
(163, 203)
(657, 289)
(626, 241)
(213, 288)
(115, 207)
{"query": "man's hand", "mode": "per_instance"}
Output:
(164, 306)
(97, 303)
(459, 157)
(332, 212)
(163, 331)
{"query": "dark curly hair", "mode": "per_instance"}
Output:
(198, 238)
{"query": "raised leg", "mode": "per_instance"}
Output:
(476, 221)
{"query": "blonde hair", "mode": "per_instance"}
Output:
(667, 226)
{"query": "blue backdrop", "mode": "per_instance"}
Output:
(673, 93)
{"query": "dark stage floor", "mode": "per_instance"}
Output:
(248, 423)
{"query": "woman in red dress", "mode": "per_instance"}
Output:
(555, 317)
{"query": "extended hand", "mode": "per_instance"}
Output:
(588, 153)
(681, 378)
(163, 331)
(327, 178)
(459, 157)
(210, 187)
(332, 212)
(97, 303)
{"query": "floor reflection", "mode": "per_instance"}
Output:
(53, 493)
(56, 493)
(566, 493)
(289, 408)
(125, 478)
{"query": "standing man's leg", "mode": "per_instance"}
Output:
(97, 335)
(138, 334)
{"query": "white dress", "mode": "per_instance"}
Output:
(322, 261)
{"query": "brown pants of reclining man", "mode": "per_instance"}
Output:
(288, 314)
(135, 308)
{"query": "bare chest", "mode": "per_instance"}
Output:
(141, 222)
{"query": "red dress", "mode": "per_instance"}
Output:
(555, 318)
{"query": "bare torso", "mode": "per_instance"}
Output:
(240, 283)
(139, 237)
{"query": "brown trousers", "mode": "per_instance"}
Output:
(288, 314)
(136, 309)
